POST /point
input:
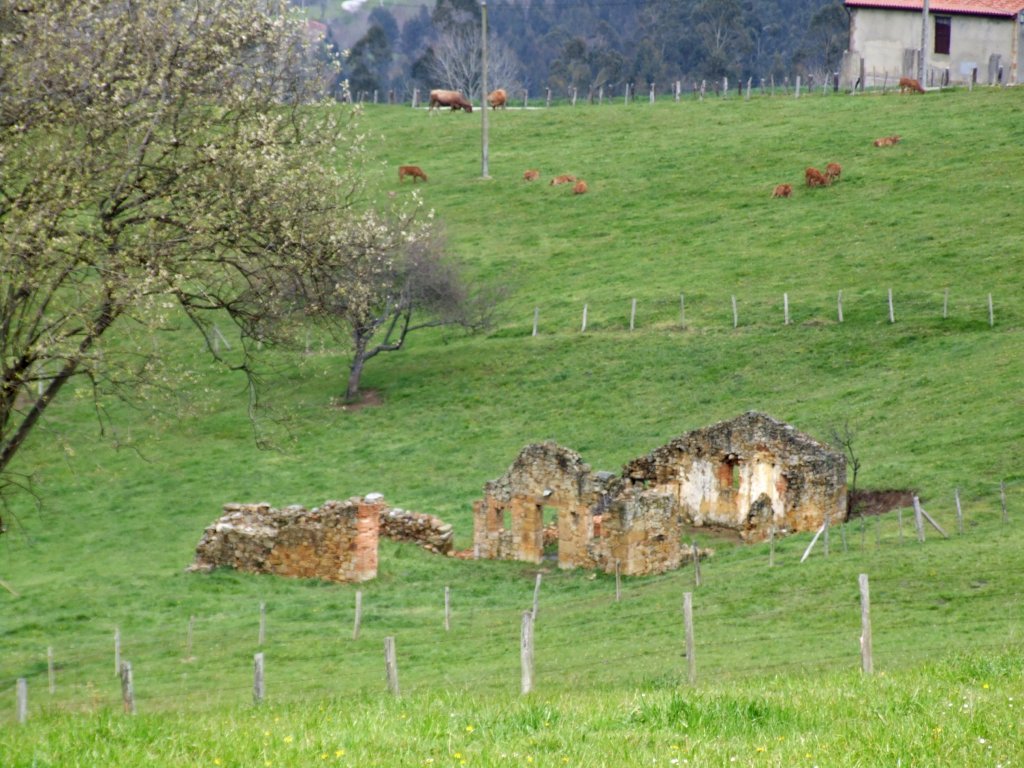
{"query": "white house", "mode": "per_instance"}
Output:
(966, 40)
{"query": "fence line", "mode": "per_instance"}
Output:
(720, 612)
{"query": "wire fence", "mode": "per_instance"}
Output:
(928, 598)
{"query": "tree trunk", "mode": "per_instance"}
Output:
(355, 371)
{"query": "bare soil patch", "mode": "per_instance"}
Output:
(368, 398)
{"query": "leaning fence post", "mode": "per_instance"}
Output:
(391, 665)
(526, 653)
(918, 522)
(22, 700)
(959, 514)
(867, 664)
(258, 688)
(127, 688)
(359, 614)
(691, 660)
(807, 552)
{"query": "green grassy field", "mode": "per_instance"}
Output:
(679, 204)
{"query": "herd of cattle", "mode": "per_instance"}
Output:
(499, 98)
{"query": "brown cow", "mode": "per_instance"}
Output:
(565, 178)
(910, 85)
(833, 171)
(816, 178)
(497, 98)
(411, 170)
(531, 175)
(580, 188)
(887, 141)
(453, 99)
(783, 190)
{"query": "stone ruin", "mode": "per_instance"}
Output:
(600, 519)
(335, 542)
(750, 474)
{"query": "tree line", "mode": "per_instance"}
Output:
(590, 44)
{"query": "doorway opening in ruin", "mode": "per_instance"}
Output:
(549, 521)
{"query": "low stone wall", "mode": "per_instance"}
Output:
(429, 532)
(336, 541)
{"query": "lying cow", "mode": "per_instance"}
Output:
(453, 99)
(497, 98)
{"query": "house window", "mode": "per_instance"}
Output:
(943, 26)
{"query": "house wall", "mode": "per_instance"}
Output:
(881, 37)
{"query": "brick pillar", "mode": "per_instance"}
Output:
(364, 565)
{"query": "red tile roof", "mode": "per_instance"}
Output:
(974, 7)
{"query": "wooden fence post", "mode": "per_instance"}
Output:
(785, 309)
(359, 614)
(127, 688)
(697, 579)
(991, 313)
(892, 313)
(258, 687)
(22, 700)
(918, 521)
(447, 609)
(536, 598)
(899, 522)
(839, 306)
(618, 581)
(959, 514)
(735, 313)
(263, 624)
(391, 665)
(931, 521)
(691, 657)
(867, 663)
(682, 311)
(807, 552)
(632, 316)
(945, 304)
(583, 328)
(526, 653)
(536, 318)
(51, 673)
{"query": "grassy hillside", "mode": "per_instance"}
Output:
(679, 203)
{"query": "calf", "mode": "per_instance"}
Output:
(565, 178)
(531, 175)
(497, 98)
(910, 85)
(783, 190)
(411, 170)
(580, 188)
(816, 178)
(887, 141)
(833, 171)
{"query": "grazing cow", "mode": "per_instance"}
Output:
(887, 141)
(563, 179)
(497, 98)
(411, 170)
(833, 171)
(816, 178)
(783, 190)
(453, 99)
(910, 85)
(580, 188)
(531, 175)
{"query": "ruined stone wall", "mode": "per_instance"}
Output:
(336, 541)
(429, 532)
(749, 474)
(642, 530)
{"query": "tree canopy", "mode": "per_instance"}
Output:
(160, 161)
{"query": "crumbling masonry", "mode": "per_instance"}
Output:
(750, 474)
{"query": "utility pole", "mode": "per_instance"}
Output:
(923, 64)
(484, 139)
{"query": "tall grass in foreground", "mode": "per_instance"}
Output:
(963, 710)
